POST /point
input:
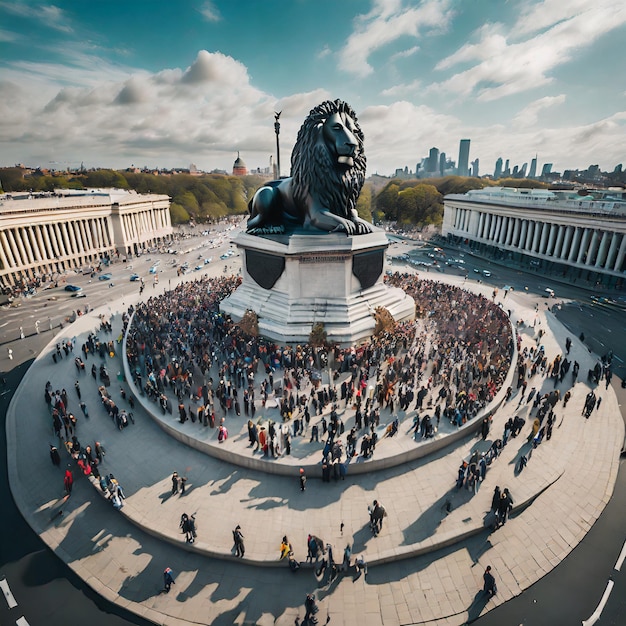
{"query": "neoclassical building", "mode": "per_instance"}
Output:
(46, 233)
(582, 236)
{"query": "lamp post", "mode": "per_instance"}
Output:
(277, 131)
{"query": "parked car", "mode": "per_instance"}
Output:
(73, 288)
(134, 277)
(153, 269)
(105, 277)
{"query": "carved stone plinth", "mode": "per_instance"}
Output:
(295, 281)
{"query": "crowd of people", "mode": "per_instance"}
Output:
(449, 362)
(87, 459)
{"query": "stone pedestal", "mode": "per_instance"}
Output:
(295, 281)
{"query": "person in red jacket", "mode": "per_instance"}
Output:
(68, 482)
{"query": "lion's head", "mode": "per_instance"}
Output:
(328, 161)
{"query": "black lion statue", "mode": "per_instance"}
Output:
(328, 172)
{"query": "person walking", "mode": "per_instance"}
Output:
(168, 579)
(361, 566)
(174, 483)
(54, 455)
(302, 479)
(68, 482)
(489, 585)
(240, 549)
(311, 609)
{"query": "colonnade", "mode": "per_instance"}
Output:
(139, 223)
(598, 247)
(49, 234)
(46, 244)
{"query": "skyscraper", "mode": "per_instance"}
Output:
(464, 148)
(442, 163)
(497, 173)
(433, 160)
(533, 168)
(475, 164)
(546, 170)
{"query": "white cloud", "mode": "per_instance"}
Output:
(110, 115)
(403, 54)
(402, 89)
(504, 68)
(210, 12)
(49, 15)
(384, 24)
(7, 36)
(537, 16)
(529, 115)
(324, 52)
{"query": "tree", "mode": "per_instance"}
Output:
(105, 178)
(364, 204)
(420, 205)
(384, 321)
(318, 337)
(178, 214)
(523, 183)
(387, 199)
(188, 201)
(249, 323)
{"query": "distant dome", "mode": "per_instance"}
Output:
(239, 166)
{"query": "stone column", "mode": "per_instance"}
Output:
(604, 246)
(544, 237)
(559, 241)
(5, 248)
(70, 229)
(584, 244)
(32, 240)
(75, 230)
(530, 230)
(593, 248)
(575, 247)
(58, 239)
(536, 233)
(554, 228)
(67, 247)
(40, 242)
(521, 242)
(565, 250)
(15, 249)
(610, 257)
(24, 233)
(620, 255)
(19, 238)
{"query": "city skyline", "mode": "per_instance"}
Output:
(173, 85)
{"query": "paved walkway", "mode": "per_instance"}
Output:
(425, 567)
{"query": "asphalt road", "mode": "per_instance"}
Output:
(47, 592)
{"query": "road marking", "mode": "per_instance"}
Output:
(22, 621)
(6, 590)
(595, 616)
(622, 556)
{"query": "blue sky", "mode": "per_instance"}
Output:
(166, 84)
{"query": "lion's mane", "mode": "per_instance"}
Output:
(315, 173)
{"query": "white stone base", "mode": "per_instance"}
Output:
(316, 285)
